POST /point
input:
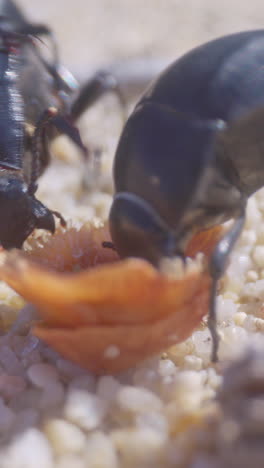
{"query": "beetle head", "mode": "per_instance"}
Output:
(20, 213)
(138, 231)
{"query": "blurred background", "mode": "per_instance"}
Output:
(94, 33)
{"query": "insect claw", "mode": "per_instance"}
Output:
(60, 217)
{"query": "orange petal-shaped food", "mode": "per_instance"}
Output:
(111, 349)
(122, 293)
(115, 313)
(110, 317)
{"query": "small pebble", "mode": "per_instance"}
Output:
(136, 400)
(64, 436)
(258, 256)
(252, 275)
(139, 448)
(166, 367)
(202, 343)
(239, 318)
(42, 375)
(192, 362)
(71, 461)
(100, 452)
(85, 409)
(28, 450)
(154, 421)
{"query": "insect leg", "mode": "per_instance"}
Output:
(36, 30)
(51, 117)
(93, 90)
(217, 267)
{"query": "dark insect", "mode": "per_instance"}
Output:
(38, 101)
(191, 154)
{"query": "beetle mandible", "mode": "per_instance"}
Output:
(191, 154)
(39, 99)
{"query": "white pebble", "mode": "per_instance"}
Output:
(253, 218)
(235, 274)
(141, 447)
(260, 233)
(213, 379)
(85, 409)
(254, 290)
(239, 318)
(226, 309)
(189, 379)
(42, 374)
(64, 436)
(233, 342)
(137, 400)
(192, 362)
(153, 420)
(70, 461)
(248, 237)
(252, 275)
(258, 256)
(166, 367)
(202, 343)
(230, 295)
(29, 450)
(100, 452)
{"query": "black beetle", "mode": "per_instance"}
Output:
(191, 154)
(38, 101)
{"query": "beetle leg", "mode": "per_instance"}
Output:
(60, 217)
(37, 147)
(96, 87)
(50, 117)
(217, 267)
(36, 30)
